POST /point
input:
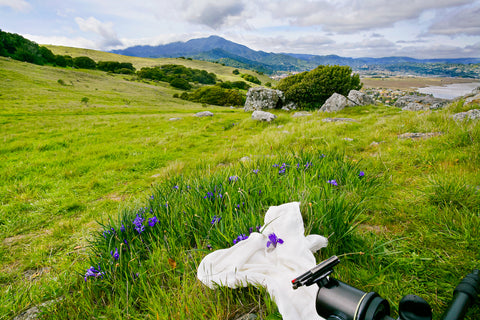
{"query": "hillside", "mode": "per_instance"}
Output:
(215, 48)
(85, 151)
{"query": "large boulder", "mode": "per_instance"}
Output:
(336, 102)
(359, 98)
(260, 98)
(417, 103)
(263, 116)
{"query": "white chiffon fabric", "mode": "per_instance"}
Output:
(251, 262)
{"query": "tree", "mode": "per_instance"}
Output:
(84, 63)
(180, 83)
(310, 90)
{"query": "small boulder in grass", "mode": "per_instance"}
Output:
(263, 116)
(203, 114)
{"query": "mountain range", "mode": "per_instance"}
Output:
(218, 49)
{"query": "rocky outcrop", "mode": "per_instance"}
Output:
(339, 120)
(261, 98)
(359, 98)
(263, 116)
(419, 135)
(473, 114)
(301, 114)
(419, 103)
(337, 102)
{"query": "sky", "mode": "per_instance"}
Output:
(355, 28)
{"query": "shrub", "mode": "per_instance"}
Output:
(216, 95)
(180, 83)
(310, 90)
(236, 72)
(84, 63)
(251, 78)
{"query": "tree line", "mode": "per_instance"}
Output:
(17, 47)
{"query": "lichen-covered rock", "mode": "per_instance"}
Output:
(336, 102)
(263, 116)
(260, 98)
(473, 114)
(360, 98)
(204, 114)
(413, 102)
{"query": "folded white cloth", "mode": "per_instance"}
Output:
(250, 261)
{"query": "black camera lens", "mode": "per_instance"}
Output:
(353, 303)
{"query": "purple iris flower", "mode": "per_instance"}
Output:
(122, 228)
(255, 171)
(333, 182)
(216, 219)
(232, 179)
(138, 223)
(92, 272)
(115, 255)
(240, 238)
(361, 174)
(273, 240)
(152, 221)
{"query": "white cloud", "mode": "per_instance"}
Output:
(104, 30)
(465, 21)
(212, 13)
(77, 42)
(345, 16)
(17, 5)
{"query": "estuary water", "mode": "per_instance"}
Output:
(450, 91)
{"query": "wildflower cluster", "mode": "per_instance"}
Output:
(216, 219)
(92, 272)
(244, 236)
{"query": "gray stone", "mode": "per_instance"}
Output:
(336, 102)
(301, 114)
(339, 120)
(290, 106)
(360, 98)
(260, 98)
(204, 114)
(263, 116)
(473, 114)
(413, 102)
(473, 99)
(419, 135)
(174, 119)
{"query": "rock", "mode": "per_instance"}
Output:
(301, 114)
(204, 114)
(245, 159)
(473, 99)
(250, 316)
(418, 103)
(419, 135)
(34, 312)
(360, 98)
(263, 116)
(290, 106)
(174, 119)
(339, 120)
(414, 106)
(347, 139)
(260, 98)
(336, 102)
(473, 114)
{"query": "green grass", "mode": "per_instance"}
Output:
(68, 163)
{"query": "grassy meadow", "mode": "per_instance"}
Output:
(85, 151)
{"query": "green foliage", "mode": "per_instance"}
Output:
(64, 61)
(251, 78)
(235, 72)
(216, 95)
(116, 67)
(84, 63)
(169, 72)
(180, 83)
(309, 90)
(17, 47)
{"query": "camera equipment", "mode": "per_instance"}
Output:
(337, 300)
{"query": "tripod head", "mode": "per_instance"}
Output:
(337, 300)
